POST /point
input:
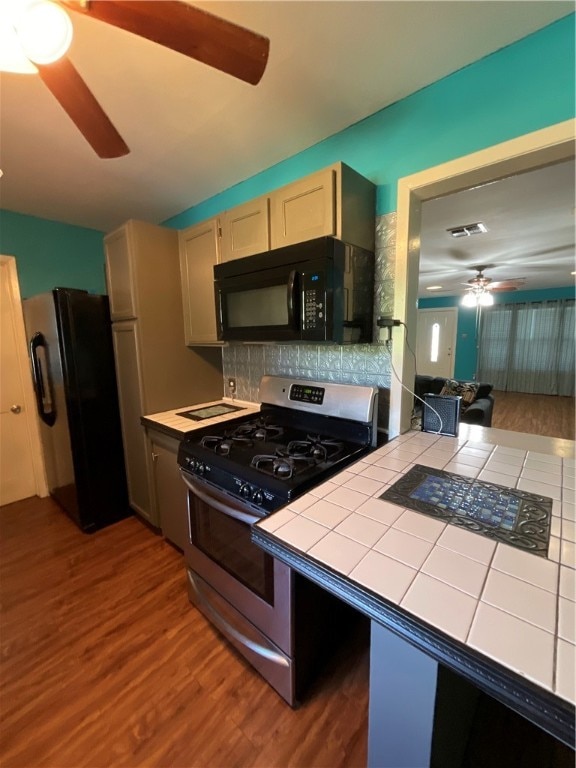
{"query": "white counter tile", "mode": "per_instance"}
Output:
(420, 525)
(383, 575)
(543, 466)
(498, 478)
(467, 544)
(566, 671)
(404, 547)
(521, 646)
(462, 469)
(568, 582)
(347, 498)
(380, 510)
(301, 532)
(539, 488)
(338, 551)
(546, 478)
(441, 605)
(457, 571)
(364, 485)
(362, 529)
(521, 599)
(567, 620)
(381, 473)
(281, 517)
(526, 566)
(325, 513)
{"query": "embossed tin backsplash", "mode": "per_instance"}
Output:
(357, 364)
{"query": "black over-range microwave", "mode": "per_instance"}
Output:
(319, 290)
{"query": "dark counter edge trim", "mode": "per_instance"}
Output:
(541, 707)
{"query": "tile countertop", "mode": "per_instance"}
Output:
(511, 607)
(177, 426)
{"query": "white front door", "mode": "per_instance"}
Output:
(21, 470)
(436, 342)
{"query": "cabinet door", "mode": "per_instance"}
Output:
(119, 275)
(136, 452)
(169, 489)
(246, 229)
(199, 252)
(304, 210)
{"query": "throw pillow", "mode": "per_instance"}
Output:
(465, 389)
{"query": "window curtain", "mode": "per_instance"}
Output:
(528, 347)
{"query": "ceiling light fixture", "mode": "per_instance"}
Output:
(38, 32)
(477, 297)
(434, 287)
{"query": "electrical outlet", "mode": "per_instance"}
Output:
(232, 385)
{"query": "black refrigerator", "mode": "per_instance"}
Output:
(70, 345)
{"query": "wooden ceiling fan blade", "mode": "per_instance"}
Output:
(188, 30)
(74, 96)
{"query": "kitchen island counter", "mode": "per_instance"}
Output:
(500, 617)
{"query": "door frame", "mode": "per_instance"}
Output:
(533, 150)
(8, 263)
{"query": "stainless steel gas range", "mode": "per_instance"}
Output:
(242, 470)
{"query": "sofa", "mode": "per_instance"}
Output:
(477, 401)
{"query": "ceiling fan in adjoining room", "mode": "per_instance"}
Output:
(480, 288)
(26, 46)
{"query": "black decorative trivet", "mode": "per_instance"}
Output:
(514, 517)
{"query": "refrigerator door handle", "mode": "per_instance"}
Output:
(43, 397)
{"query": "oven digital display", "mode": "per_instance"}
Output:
(305, 394)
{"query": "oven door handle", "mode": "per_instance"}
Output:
(227, 629)
(214, 501)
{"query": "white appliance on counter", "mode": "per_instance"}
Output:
(155, 370)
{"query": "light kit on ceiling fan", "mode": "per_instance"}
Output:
(478, 294)
(35, 32)
(174, 24)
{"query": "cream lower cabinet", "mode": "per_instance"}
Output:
(199, 251)
(131, 397)
(170, 493)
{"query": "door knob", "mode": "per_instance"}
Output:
(15, 408)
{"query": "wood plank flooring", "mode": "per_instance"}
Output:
(536, 414)
(104, 662)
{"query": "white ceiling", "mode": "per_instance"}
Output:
(194, 131)
(530, 237)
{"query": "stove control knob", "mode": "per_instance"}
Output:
(258, 497)
(245, 491)
(199, 467)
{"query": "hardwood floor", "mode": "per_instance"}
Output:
(104, 662)
(536, 414)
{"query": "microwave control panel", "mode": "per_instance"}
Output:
(313, 301)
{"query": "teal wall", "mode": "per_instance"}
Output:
(466, 342)
(517, 90)
(50, 254)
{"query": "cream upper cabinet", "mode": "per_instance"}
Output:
(335, 201)
(199, 252)
(120, 275)
(246, 229)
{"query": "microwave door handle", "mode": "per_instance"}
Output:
(291, 289)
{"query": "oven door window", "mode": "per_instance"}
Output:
(226, 541)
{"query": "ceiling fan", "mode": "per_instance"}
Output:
(176, 25)
(480, 287)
